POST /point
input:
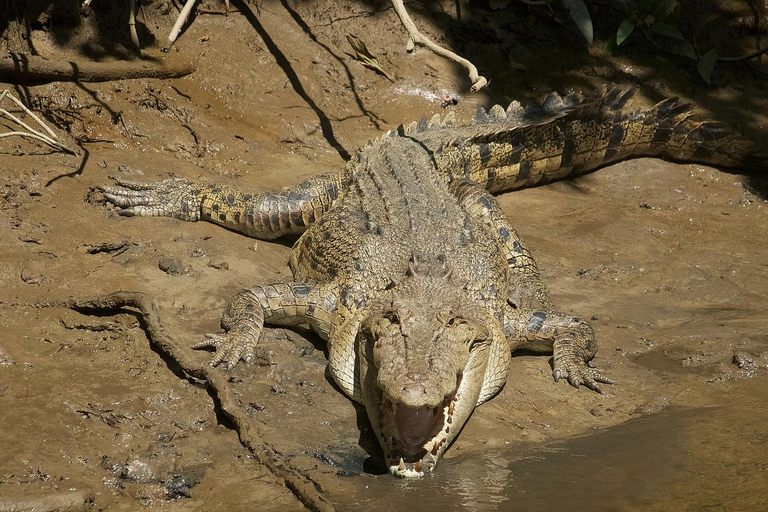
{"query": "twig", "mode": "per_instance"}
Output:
(180, 21)
(216, 382)
(50, 139)
(417, 38)
(749, 56)
(31, 114)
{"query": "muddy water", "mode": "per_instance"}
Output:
(710, 458)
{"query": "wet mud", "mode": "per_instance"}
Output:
(669, 262)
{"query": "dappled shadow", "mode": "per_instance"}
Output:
(527, 53)
(99, 30)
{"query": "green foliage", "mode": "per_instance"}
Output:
(625, 30)
(653, 20)
(706, 64)
(580, 14)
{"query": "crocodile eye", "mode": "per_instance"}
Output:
(446, 317)
(392, 316)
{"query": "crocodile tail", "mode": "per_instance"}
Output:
(576, 139)
(671, 130)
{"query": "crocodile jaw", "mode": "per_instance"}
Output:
(432, 449)
(408, 453)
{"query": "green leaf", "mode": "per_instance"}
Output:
(580, 14)
(685, 49)
(666, 30)
(706, 64)
(625, 30)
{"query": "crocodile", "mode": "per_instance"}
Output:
(407, 266)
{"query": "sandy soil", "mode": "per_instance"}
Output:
(669, 261)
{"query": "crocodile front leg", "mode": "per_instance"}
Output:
(530, 321)
(265, 216)
(570, 339)
(278, 304)
(526, 289)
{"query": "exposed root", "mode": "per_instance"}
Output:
(216, 382)
(132, 27)
(417, 38)
(181, 20)
(30, 69)
(49, 137)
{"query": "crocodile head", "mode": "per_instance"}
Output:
(423, 354)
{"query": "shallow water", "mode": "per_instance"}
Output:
(709, 458)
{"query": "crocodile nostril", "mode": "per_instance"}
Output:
(414, 376)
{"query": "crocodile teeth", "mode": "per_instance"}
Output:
(419, 466)
(401, 466)
(450, 408)
(435, 447)
(435, 122)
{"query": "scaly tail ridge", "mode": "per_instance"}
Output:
(519, 147)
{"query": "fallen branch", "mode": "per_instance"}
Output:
(26, 69)
(417, 38)
(49, 138)
(216, 382)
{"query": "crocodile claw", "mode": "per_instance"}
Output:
(174, 197)
(570, 366)
(230, 347)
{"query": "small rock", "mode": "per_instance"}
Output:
(171, 266)
(596, 412)
(198, 252)
(743, 360)
(219, 264)
(178, 487)
(277, 389)
(30, 278)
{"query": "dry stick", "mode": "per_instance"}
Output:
(416, 37)
(216, 382)
(28, 112)
(31, 132)
(180, 21)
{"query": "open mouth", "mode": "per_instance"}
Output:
(419, 435)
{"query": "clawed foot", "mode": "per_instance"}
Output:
(174, 197)
(571, 366)
(230, 347)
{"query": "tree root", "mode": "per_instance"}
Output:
(417, 38)
(31, 69)
(49, 137)
(216, 383)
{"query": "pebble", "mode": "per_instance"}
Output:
(171, 266)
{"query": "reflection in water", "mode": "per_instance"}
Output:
(697, 459)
